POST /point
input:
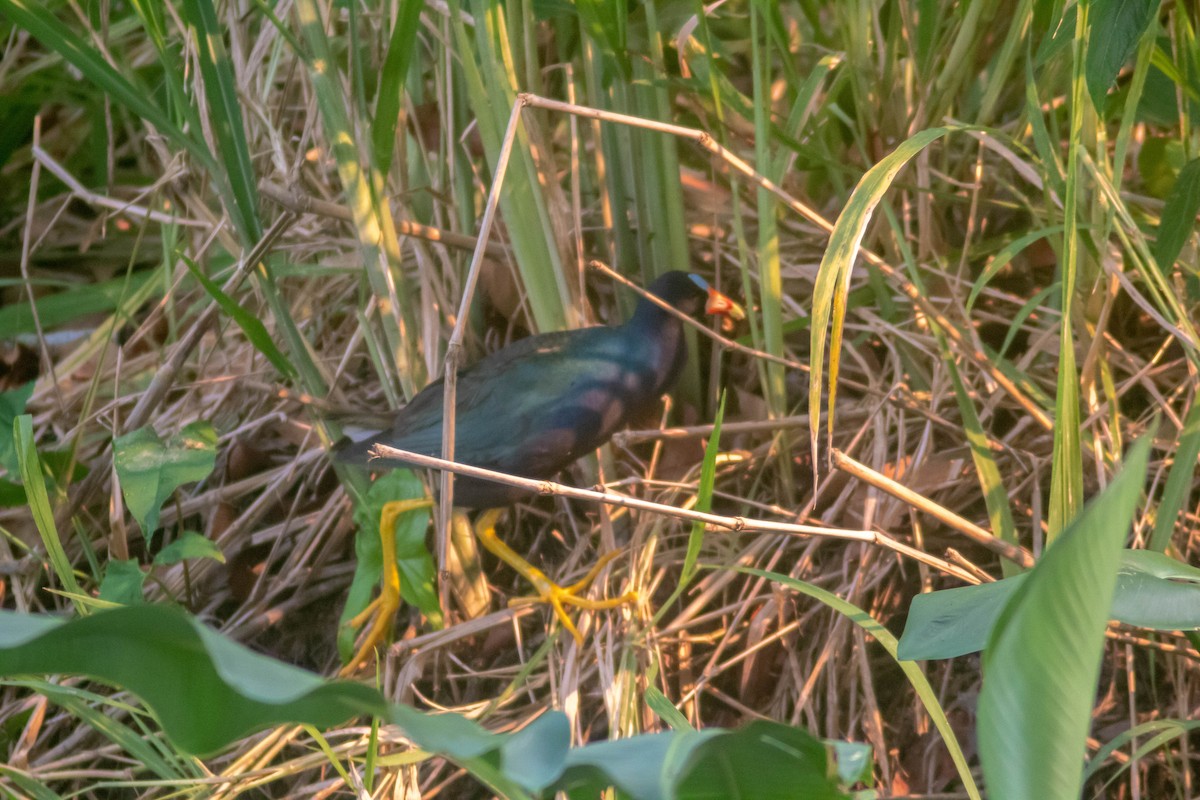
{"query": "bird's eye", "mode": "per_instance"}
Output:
(696, 279)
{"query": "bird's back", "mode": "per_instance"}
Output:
(531, 408)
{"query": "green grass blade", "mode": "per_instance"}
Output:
(1179, 481)
(995, 496)
(492, 83)
(1004, 257)
(708, 472)
(377, 241)
(256, 332)
(401, 45)
(768, 210)
(39, 507)
(1066, 480)
(235, 170)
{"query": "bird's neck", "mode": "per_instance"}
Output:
(657, 337)
(649, 318)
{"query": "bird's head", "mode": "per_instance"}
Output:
(691, 294)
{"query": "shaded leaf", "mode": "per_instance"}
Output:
(153, 651)
(150, 469)
(1178, 216)
(729, 765)
(1116, 26)
(1156, 591)
(123, 582)
(39, 507)
(189, 545)
(12, 405)
(762, 760)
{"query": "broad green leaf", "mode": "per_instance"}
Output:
(1153, 591)
(156, 652)
(189, 545)
(123, 582)
(12, 405)
(1178, 217)
(622, 763)
(150, 469)
(954, 622)
(123, 722)
(1042, 661)
(1116, 26)
(762, 760)
(729, 765)
(415, 562)
(538, 752)
(1156, 591)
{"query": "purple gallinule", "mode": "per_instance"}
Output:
(531, 409)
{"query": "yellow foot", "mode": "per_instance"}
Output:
(377, 618)
(549, 592)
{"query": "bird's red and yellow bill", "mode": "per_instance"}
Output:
(724, 307)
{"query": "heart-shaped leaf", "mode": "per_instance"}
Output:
(150, 469)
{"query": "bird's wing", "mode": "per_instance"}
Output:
(531, 408)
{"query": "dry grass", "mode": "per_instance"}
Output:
(735, 646)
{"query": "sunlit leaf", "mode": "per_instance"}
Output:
(1042, 660)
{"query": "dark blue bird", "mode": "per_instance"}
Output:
(535, 406)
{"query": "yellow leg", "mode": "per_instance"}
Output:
(548, 592)
(379, 615)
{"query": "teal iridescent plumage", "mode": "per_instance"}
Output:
(534, 407)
